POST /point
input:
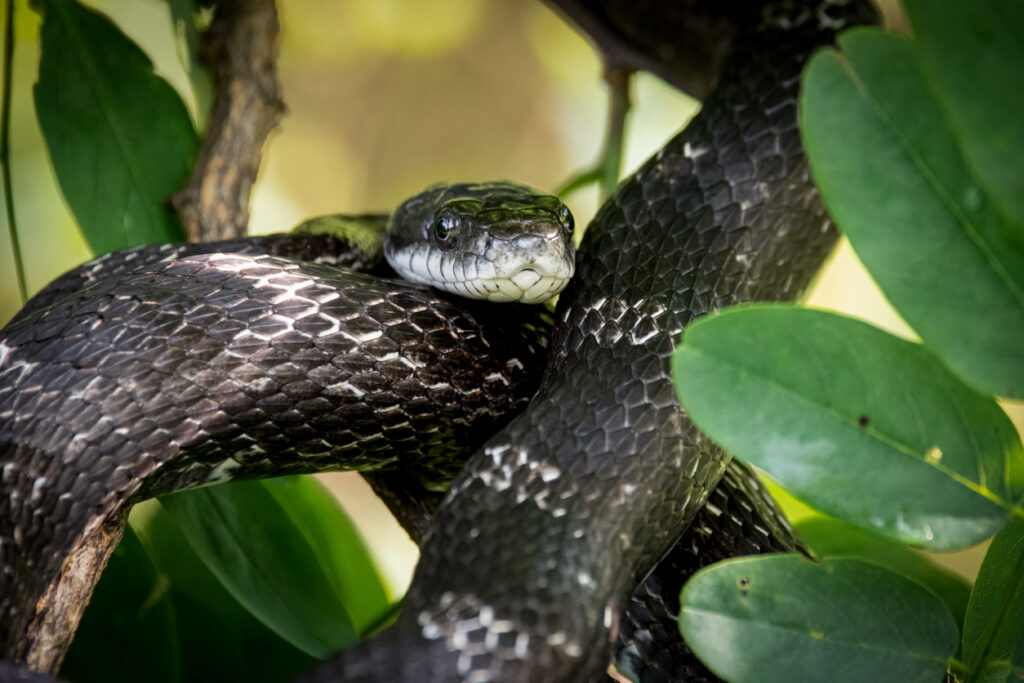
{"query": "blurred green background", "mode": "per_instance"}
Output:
(384, 98)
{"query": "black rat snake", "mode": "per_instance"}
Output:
(529, 562)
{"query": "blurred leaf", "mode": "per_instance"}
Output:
(973, 56)
(994, 630)
(858, 423)
(384, 620)
(337, 545)
(893, 177)
(183, 17)
(119, 137)
(210, 637)
(829, 537)
(129, 625)
(219, 640)
(253, 547)
(784, 618)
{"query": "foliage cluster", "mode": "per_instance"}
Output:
(919, 159)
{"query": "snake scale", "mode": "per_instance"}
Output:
(216, 366)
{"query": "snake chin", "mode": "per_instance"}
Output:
(527, 286)
(528, 276)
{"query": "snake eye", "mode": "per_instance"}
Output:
(441, 229)
(565, 217)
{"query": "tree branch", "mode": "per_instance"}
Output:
(240, 49)
(61, 607)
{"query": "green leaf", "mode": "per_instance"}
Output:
(253, 547)
(973, 56)
(857, 423)
(219, 640)
(892, 175)
(129, 625)
(338, 546)
(784, 618)
(119, 137)
(994, 629)
(829, 537)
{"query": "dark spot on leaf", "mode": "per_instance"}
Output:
(743, 583)
(864, 421)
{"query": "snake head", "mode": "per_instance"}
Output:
(498, 241)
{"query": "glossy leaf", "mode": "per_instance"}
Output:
(129, 626)
(855, 422)
(784, 618)
(892, 175)
(973, 56)
(119, 137)
(339, 547)
(994, 629)
(253, 547)
(829, 537)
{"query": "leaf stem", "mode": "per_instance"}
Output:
(606, 170)
(957, 667)
(581, 179)
(5, 157)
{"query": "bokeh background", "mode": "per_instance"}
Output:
(384, 98)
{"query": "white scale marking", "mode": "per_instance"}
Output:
(345, 386)
(37, 489)
(692, 153)
(497, 376)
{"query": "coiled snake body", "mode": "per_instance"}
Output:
(528, 565)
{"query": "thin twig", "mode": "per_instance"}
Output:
(618, 108)
(608, 168)
(240, 49)
(5, 157)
